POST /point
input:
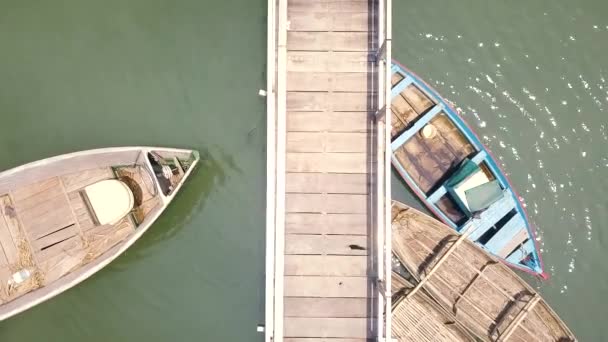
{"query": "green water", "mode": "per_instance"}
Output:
(530, 77)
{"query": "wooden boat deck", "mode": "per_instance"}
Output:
(46, 228)
(427, 160)
(485, 295)
(325, 255)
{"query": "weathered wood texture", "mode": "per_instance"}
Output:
(489, 299)
(329, 161)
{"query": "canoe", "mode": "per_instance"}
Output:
(455, 176)
(485, 295)
(64, 218)
(419, 318)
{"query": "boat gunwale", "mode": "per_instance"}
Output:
(473, 138)
(68, 281)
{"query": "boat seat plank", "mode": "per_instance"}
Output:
(324, 21)
(397, 89)
(328, 81)
(327, 102)
(326, 265)
(403, 110)
(325, 307)
(327, 162)
(326, 203)
(326, 327)
(326, 41)
(506, 234)
(326, 142)
(416, 127)
(517, 240)
(328, 121)
(326, 286)
(331, 183)
(307, 223)
(326, 244)
(417, 98)
(490, 216)
(521, 252)
(329, 61)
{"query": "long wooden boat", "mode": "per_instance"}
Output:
(419, 318)
(64, 218)
(487, 297)
(453, 173)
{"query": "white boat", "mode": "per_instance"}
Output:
(64, 218)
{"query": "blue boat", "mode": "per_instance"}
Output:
(453, 173)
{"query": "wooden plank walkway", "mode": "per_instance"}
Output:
(324, 263)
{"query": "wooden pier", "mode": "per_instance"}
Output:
(328, 263)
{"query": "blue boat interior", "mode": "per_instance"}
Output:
(447, 166)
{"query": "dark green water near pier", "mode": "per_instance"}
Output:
(530, 78)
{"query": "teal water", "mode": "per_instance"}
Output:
(530, 78)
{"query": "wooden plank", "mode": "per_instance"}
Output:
(491, 215)
(511, 229)
(326, 244)
(326, 307)
(319, 21)
(343, 287)
(34, 188)
(10, 253)
(78, 180)
(416, 127)
(521, 253)
(46, 197)
(328, 121)
(326, 265)
(517, 240)
(417, 99)
(327, 142)
(331, 183)
(329, 81)
(336, 6)
(326, 203)
(8, 218)
(56, 237)
(326, 327)
(44, 203)
(328, 162)
(38, 226)
(329, 61)
(50, 256)
(328, 41)
(305, 223)
(321, 101)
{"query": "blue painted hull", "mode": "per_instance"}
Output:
(502, 221)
